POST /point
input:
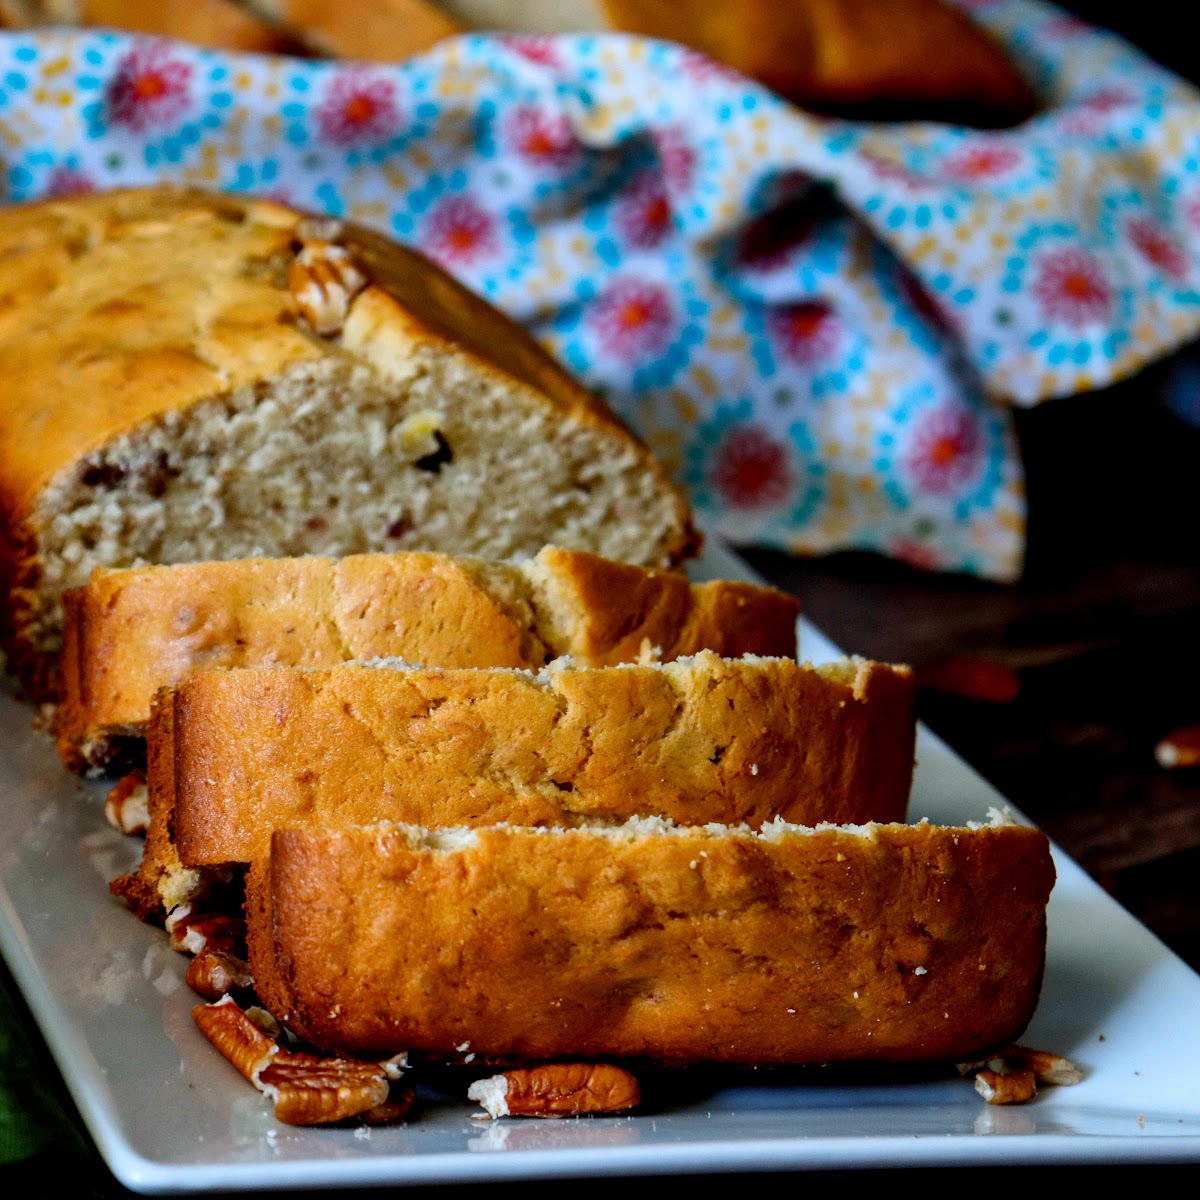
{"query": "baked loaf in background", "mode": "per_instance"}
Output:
(129, 632)
(235, 755)
(217, 24)
(887, 942)
(909, 54)
(192, 377)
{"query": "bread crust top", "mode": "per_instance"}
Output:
(131, 304)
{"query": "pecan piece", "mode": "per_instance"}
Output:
(127, 805)
(193, 932)
(394, 1109)
(236, 1036)
(1046, 1067)
(972, 677)
(557, 1090)
(308, 1090)
(323, 278)
(1015, 1087)
(214, 973)
(1180, 748)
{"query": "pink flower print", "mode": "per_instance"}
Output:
(750, 469)
(985, 160)
(632, 319)
(358, 106)
(1087, 115)
(1191, 211)
(150, 88)
(1071, 287)
(534, 48)
(892, 171)
(459, 232)
(804, 333)
(676, 157)
(1158, 247)
(943, 451)
(1109, 98)
(66, 181)
(542, 138)
(644, 212)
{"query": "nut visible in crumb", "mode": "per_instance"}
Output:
(1180, 748)
(215, 973)
(309, 1090)
(557, 1090)
(1013, 1088)
(323, 278)
(127, 805)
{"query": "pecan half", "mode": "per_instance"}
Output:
(214, 973)
(127, 806)
(323, 278)
(308, 1090)
(236, 1036)
(557, 1090)
(1014, 1088)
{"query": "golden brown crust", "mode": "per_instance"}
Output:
(367, 30)
(703, 739)
(124, 306)
(896, 943)
(219, 24)
(128, 633)
(610, 609)
(826, 52)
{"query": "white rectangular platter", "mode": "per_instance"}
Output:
(169, 1115)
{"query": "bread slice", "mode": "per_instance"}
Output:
(793, 945)
(129, 632)
(191, 377)
(235, 755)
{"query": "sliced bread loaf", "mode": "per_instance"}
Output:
(192, 377)
(129, 632)
(793, 945)
(235, 755)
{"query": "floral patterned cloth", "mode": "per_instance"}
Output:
(819, 325)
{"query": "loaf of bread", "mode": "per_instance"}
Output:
(219, 24)
(129, 632)
(374, 30)
(793, 945)
(191, 377)
(915, 53)
(235, 755)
